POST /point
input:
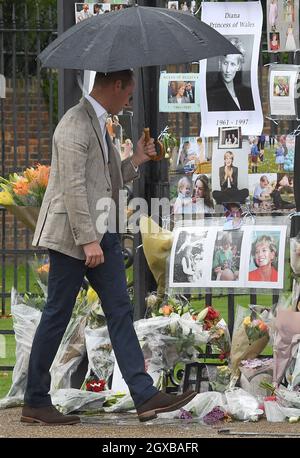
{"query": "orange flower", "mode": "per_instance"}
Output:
(43, 268)
(21, 187)
(262, 326)
(38, 177)
(31, 174)
(167, 310)
(43, 175)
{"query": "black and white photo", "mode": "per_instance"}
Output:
(230, 91)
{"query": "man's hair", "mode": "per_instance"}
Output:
(104, 79)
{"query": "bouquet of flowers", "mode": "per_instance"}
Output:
(255, 329)
(221, 378)
(26, 313)
(219, 337)
(22, 194)
(101, 358)
(26, 189)
(72, 348)
(250, 336)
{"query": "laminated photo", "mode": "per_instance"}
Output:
(191, 153)
(230, 174)
(190, 195)
(282, 90)
(230, 92)
(188, 261)
(179, 92)
(227, 258)
(271, 154)
(211, 257)
(272, 192)
(173, 5)
(266, 257)
(283, 25)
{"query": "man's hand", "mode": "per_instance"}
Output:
(143, 152)
(94, 254)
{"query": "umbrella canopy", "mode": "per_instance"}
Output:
(135, 37)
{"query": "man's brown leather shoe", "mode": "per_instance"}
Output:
(163, 402)
(47, 416)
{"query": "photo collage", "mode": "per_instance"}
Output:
(234, 159)
(213, 257)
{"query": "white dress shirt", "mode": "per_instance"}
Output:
(102, 115)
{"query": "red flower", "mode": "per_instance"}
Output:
(95, 385)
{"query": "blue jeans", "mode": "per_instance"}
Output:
(109, 281)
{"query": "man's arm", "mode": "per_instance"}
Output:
(143, 153)
(72, 143)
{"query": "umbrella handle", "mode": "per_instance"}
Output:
(160, 145)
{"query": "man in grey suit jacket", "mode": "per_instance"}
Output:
(85, 169)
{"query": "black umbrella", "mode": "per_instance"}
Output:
(135, 37)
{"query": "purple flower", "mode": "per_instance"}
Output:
(215, 415)
(185, 415)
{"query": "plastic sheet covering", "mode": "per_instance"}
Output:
(99, 350)
(25, 322)
(242, 405)
(288, 398)
(168, 340)
(72, 348)
(203, 403)
(73, 400)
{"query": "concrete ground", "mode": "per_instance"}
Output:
(127, 426)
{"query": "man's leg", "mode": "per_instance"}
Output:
(109, 281)
(65, 278)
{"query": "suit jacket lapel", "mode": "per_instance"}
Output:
(96, 126)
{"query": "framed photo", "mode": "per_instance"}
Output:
(179, 92)
(230, 137)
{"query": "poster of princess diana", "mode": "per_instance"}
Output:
(229, 84)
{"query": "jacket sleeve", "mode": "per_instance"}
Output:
(128, 171)
(72, 142)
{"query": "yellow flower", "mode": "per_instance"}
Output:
(91, 296)
(6, 198)
(247, 321)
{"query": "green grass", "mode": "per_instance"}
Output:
(268, 165)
